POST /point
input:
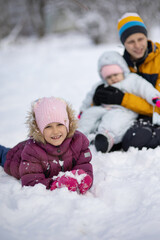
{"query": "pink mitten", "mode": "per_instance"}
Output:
(54, 185)
(65, 181)
(85, 181)
(85, 184)
(156, 100)
(69, 182)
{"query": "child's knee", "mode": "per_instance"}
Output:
(138, 137)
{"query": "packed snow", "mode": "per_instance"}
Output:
(124, 201)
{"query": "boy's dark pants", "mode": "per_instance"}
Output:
(142, 134)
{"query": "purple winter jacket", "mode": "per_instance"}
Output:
(34, 162)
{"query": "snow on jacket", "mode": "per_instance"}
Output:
(35, 161)
(150, 70)
(132, 82)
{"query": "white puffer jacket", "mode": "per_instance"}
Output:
(132, 82)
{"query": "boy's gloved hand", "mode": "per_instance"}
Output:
(156, 101)
(80, 181)
(107, 95)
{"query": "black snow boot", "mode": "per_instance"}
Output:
(101, 143)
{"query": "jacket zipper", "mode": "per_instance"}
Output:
(61, 162)
(135, 67)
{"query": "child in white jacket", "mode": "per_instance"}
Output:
(109, 123)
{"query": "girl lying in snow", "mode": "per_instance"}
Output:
(56, 154)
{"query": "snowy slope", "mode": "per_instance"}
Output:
(124, 202)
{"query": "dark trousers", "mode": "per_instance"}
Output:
(3, 153)
(142, 134)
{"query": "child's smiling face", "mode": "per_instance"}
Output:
(55, 133)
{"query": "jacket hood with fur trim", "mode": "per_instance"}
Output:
(35, 133)
(112, 57)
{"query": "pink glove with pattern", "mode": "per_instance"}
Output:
(65, 181)
(85, 180)
(156, 100)
(80, 181)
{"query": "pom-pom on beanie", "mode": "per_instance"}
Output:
(49, 110)
(109, 70)
(129, 24)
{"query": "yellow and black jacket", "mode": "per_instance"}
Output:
(149, 68)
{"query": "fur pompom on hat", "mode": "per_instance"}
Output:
(109, 70)
(129, 24)
(47, 110)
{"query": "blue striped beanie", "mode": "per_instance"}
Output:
(129, 24)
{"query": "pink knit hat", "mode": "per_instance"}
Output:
(49, 110)
(108, 70)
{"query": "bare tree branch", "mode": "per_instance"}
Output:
(81, 5)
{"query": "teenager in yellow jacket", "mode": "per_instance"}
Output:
(143, 58)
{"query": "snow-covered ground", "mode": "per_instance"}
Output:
(124, 202)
